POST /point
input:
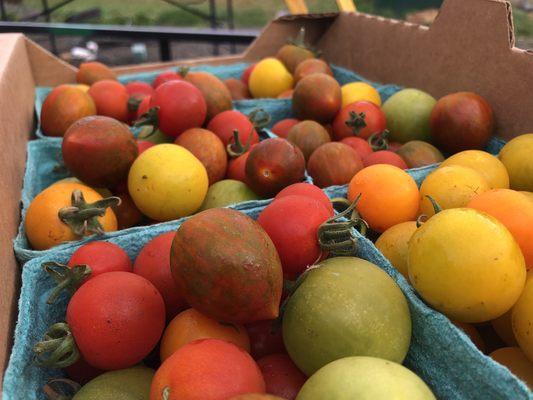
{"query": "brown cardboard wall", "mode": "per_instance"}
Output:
(469, 47)
(16, 120)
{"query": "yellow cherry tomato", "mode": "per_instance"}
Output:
(451, 187)
(167, 182)
(269, 78)
(522, 318)
(467, 265)
(44, 229)
(516, 156)
(483, 163)
(393, 243)
(359, 91)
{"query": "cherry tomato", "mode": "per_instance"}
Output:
(282, 376)
(246, 74)
(101, 257)
(307, 190)
(116, 319)
(292, 223)
(166, 77)
(361, 146)
(237, 167)
(181, 106)
(361, 118)
(207, 369)
(226, 122)
(384, 157)
(153, 263)
(265, 338)
(111, 99)
(282, 128)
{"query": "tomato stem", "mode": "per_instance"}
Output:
(335, 235)
(356, 121)
(66, 278)
(58, 394)
(423, 217)
(260, 118)
(82, 217)
(133, 103)
(236, 148)
(149, 118)
(379, 140)
(57, 349)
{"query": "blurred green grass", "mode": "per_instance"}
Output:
(248, 13)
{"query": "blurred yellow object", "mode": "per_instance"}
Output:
(81, 86)
(346, 5)
(359, 91)
(297, 6)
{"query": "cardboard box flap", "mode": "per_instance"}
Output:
(469, 48)
(279, 31)
(47, 69)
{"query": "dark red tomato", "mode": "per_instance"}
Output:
(144, 106)
(226, 122)
(292, 223)
(246, 74)
(166, 77)
(307, 190)
(127, 213)
(282, 128)
(99, 150)
(461, 121)
(181, 106)
(153, 263)
(282, 376)
(265, 338)
(237, 167)
(361, 146)
(349, 121)
(101, 257)
(82, 372)
(116, 319)
(384, 157)
(138, 88)
(143, 145)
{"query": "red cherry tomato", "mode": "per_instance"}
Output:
(282, 376)
(307, 190)
(282, 128)
(246, 74)
(360, 145)
(116, 319)
(139, 88)
(374, 119)
(265, 338)
(394, 146)
(101, 257)
(292, 223)
(207, 369)
(153, 263)
(384, 157)
(144, 106)
(237, 167)
(166, 77)
(144, 145)
(226, 122)
(181, 106)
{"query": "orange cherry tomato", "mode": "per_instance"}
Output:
(389, 196)
(190, 325)
(515, 211)
(44, 229)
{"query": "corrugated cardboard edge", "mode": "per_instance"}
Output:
(470, 47)
(16, 120)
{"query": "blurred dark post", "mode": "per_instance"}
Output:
(51, 36)
(164, 49)
(3, 13)
(213, 23)
(231, 22)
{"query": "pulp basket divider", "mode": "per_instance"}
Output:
(440, 354)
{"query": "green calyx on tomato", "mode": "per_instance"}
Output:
(66, 278)
(356, 122)
(379, 140)
(236, 148)
(82, 217)
(423, 217)
(57, 349)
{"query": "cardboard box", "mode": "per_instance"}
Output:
(470, 46)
